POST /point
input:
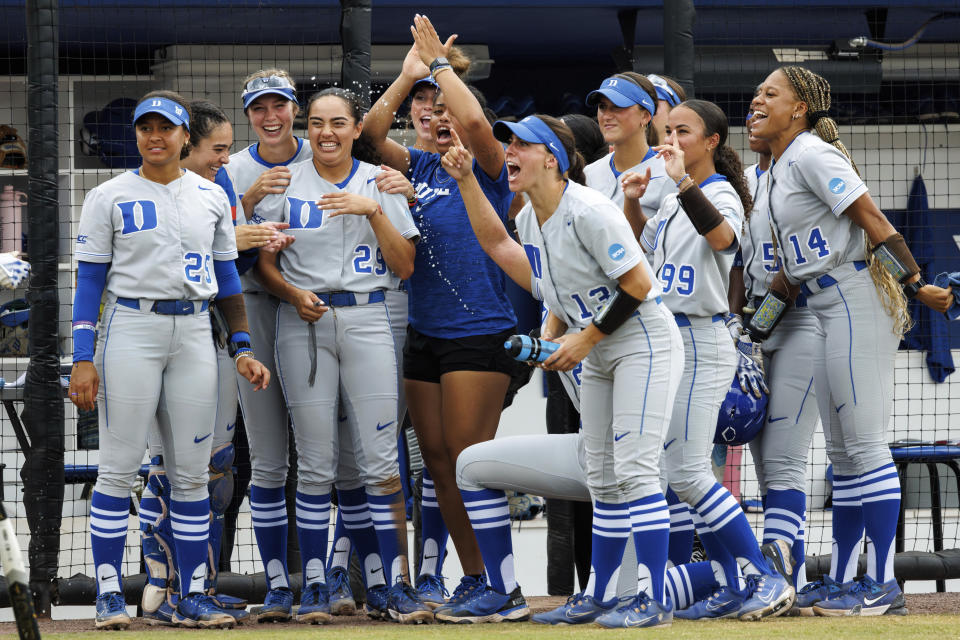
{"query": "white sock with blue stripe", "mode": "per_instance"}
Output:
(355, 530)
(847, 527)
(783, 516)
(190, 521)
(489, 515)
(686, 584)
(611, 528)
(108, 537)
(313, 530)
(268, 512)
(650, 525)
(880, 497)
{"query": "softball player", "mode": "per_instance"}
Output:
(578, 257)
(626, 104)
(155, 351)
(781, 449)
(455, 371)
(669, 95)
(693, 253)
(341, 266)
(820, 212)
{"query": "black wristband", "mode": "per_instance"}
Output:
(438, 62)
(234, 347)
(913, 288)
(699, 209)
(621, 306)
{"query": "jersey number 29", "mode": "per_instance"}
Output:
(365, 261)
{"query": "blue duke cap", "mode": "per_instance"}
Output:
(533, 129)
(622, 93)
(166, 108)
(257, 87)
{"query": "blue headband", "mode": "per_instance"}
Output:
(533, 129)
(622, 93)
(166, 108)
(664, 90)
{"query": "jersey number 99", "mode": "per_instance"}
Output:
(682, 276)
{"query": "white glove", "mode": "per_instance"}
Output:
(750, 367)
(734, 325)
(13, 270)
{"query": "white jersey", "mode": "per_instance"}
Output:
(752, 174)
(809, 188)
(161, 239)
(578, 254)
(694, 277)
(340, 253)
(603, 176)
(245, 167)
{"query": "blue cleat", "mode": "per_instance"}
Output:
(225, 601)
(431, 590)
(779, 557)
(199, 610)
(638, 611)
(817, 591)
(722, 603)
(376, 606)
(468, 587)
(277, 606)
(111, 611)
(314, 604)
(487, 605)
(865, 598)
(339, 592)
(578, 609)
(404, 606)
(162, 616)
(768, 596)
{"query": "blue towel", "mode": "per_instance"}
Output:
(944, 280)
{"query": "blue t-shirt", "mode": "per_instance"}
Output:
(456, 290)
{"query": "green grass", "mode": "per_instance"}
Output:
(937, 627)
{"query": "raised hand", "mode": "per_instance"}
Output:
(672, 156)
(427, 42)
(635, 185)
(413, 67)
(457, 161)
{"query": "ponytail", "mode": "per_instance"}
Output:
(727, 163)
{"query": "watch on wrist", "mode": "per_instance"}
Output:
(913, 288)
(438, 62)
(234, 347)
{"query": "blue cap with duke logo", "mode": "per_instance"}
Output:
(623, 93)
(664, 90)
(533, 129)
(166, 108)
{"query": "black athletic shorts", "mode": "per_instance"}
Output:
(427, 358)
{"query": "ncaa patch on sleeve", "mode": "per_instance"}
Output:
(837, 185)
(616, 251)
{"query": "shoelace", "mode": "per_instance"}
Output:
(811, 586)
(275, 597)
(576, 599)
(338, 581)
(115, 601)
(432, 582)
(465, 588)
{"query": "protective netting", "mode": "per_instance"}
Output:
(897, 108)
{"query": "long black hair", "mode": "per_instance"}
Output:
(563, 132)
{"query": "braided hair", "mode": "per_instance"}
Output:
(725, 159)
(814, 90)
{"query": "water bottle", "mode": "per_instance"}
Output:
(527, 349)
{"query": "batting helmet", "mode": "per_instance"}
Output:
(741, 416)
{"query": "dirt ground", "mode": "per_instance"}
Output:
(919, 604)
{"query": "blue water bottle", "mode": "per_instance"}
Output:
(527, 349)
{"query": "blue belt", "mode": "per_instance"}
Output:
(350, 299)
(168, 307)
(828, 281)
(800, 302)
(684, 321)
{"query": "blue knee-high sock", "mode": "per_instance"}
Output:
(611, 528)
(880, 497)
(389, 515)
(847, 527)
(313, 530)
(354, 516)
(650, 525)
(190, 521)
(434, 530)
(268, 512)
(689, 583)
(490, 517)
(729, 524)
(681, 530)
(108, 535)
(783, 520)
(726, 571)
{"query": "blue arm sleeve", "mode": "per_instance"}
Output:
(228, 280)
(246, 260)
(91, 279)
